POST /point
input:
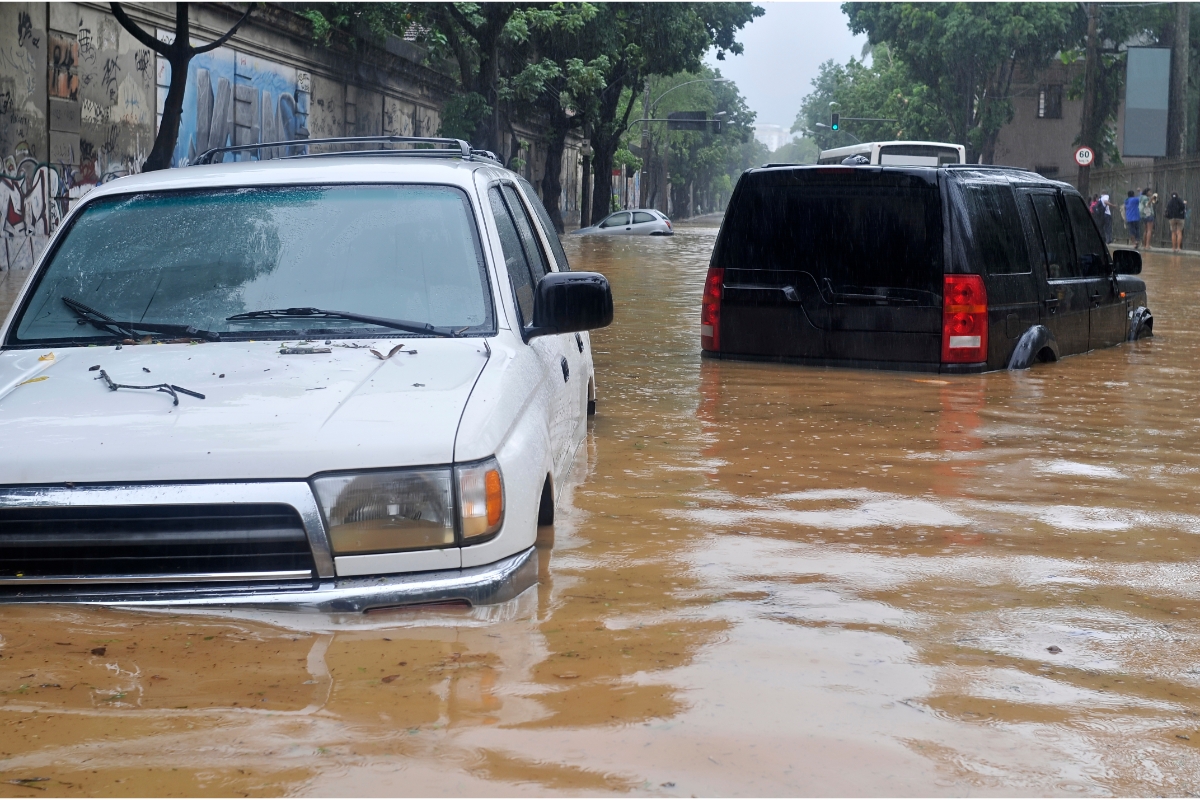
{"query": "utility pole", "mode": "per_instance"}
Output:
(1177, 105)
(1091, 73)
(645, 184)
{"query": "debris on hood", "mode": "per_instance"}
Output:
(168, 388)
(303, 351)
(391, 352)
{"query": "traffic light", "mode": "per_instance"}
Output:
(833, 122)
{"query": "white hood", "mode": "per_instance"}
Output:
(271, 416)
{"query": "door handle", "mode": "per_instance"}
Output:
(1096, 298)
(1052, 304)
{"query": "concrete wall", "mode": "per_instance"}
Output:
(81, 100)
(76, 107)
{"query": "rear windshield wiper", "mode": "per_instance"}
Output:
(104, 322)
(317, 313)
(862, 297)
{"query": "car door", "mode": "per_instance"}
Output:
(1066, 304)
(1108, 318)
(576, 345)
(617, 223)
(643, 223)
(527, 265)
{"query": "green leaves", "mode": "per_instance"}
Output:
(960, 59)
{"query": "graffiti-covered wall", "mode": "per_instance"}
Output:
(76, 108)
(236, 98)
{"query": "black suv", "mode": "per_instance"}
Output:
(950, 269)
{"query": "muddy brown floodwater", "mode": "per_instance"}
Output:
(767, 580)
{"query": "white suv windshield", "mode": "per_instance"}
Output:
(194, 258)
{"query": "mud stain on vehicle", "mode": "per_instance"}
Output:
(766, 580)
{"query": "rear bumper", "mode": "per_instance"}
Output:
(848, 363)
(485, 585)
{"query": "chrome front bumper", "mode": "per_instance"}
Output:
(493, 583)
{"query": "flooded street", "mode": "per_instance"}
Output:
(766, 580)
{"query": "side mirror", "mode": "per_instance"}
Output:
(1127, 262)
(566, 302)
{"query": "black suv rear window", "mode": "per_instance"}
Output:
(850, 229)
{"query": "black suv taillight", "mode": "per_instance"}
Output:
(710, 310)
(964, 319)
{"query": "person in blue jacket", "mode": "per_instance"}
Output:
(1133, 218)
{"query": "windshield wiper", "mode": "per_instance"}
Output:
(107, 324)
(317, 313)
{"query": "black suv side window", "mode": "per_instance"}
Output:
(996, 226)
(515, 258)
(1056, 240)
(1088, 244)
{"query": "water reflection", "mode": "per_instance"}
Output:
(767, 579)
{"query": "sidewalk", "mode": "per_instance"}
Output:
(1164, 250)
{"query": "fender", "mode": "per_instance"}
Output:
(1141, 323)
(1031, 347)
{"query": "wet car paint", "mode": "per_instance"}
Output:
(766, 579)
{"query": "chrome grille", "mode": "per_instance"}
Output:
(153, 543)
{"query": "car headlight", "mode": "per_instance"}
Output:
(411, 509)
(374, 512)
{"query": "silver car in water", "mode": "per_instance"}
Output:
(634, 222)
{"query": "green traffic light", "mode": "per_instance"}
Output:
(833, 122)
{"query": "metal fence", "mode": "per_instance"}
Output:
(1180, 175)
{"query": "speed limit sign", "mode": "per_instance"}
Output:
(1084, 156)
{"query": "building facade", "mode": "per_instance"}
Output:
(1046, 123)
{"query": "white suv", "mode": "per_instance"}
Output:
(334, 381)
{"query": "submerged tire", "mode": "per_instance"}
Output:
(1141, 323)
(1036, 344)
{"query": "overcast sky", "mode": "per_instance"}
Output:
(784, 47)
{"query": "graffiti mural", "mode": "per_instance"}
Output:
(29, 202)
(235, 98)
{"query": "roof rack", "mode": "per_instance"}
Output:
(451, 148)
(996, 167)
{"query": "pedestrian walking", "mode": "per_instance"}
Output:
(1176, 214)
(1133, 219)
(1106, 201)
(1097, 212)
(1146, 204)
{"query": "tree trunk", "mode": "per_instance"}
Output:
(602, 163)
(552, 180)
(585, 190)
(1177, 105)
(168, 130)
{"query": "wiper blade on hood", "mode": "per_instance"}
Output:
(107, 324)
(317, 313)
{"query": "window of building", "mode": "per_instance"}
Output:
(1050, 101)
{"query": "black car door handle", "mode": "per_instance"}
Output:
(1052, 304)
(1096, 298)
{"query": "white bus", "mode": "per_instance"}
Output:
(899, 154)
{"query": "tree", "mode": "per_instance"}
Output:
(178, 53)
(704, 165)
(883, 89)
(1115, 26)
(563, 71)
(643, 39)
(968, 54)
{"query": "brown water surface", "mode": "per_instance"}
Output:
(767, 580)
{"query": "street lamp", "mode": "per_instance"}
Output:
(648, 110)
